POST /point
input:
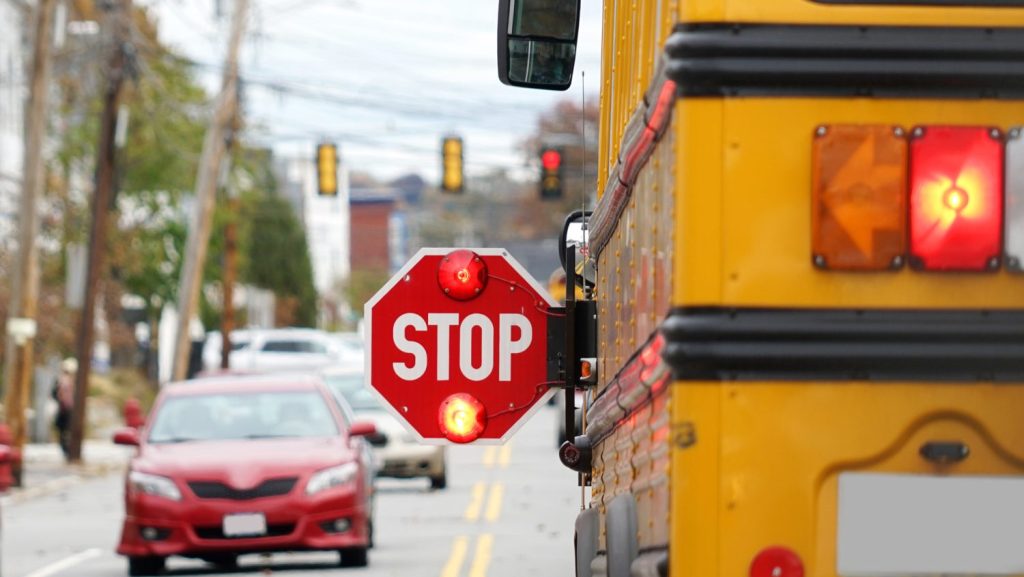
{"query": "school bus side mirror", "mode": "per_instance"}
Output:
(537, 42)
(576, 235)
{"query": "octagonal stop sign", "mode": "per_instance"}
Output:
(457, 345)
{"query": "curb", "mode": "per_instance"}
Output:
(88, 472)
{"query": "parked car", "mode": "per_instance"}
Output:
(242, 464)
(398, 452)
(268, 350)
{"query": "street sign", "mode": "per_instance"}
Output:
(457, 345)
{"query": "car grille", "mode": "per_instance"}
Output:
(217, 532)
(217, 490)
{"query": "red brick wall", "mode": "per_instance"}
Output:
(369, 235)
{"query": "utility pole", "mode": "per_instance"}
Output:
(227, 320)
(214, 147)
(25, 286)
(106, 159)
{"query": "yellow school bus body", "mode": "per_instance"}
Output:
(719, 216)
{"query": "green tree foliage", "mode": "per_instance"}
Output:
(278, 260)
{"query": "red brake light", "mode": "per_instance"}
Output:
(777, 562)
(462, 418)
(956, 198)
(462, 274)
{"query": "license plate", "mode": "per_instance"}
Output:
(245, 525)
(911, 525)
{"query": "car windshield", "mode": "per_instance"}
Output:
(351, 387)
(229, 416)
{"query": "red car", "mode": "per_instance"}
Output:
(245, 464)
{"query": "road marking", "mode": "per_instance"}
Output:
(454, 564)
(494, 502)
(505, 456)
(66, 563)
(482, 557)
(489, 454)
(476, 503)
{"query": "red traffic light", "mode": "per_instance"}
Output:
(777, 562)
(462, 418)
(462, 274)
(551, 159)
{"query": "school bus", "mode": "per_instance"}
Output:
(808, 244)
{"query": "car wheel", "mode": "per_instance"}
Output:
(140, 566)
(440, 481)
(354, 557)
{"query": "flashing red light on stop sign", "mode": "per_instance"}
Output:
(462, 274)
(431, 350)
(956, 198)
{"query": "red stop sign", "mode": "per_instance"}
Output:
(457, 345)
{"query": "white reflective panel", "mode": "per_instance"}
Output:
(910, 525)
(1015, 200)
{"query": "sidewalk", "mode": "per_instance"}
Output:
(45, 471)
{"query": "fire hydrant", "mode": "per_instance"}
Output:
(8, 456)
(133, 413)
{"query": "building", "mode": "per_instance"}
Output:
(372, 233)
(324, 218)
(14, 56)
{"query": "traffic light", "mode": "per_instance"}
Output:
(451, 164)
(550, 173)
(327, 169)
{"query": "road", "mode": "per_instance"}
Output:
(507, 512)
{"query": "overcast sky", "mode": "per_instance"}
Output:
(385, 79)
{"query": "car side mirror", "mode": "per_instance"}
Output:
(362, 429)
(126, 436)
(537, 42)
(576, 236)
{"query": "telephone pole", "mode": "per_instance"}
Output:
(214, 147)
(25, 286)
(106, 159)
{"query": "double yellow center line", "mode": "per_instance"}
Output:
(486, 504)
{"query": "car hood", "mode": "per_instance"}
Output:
(243, 463)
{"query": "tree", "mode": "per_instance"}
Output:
(278, 260)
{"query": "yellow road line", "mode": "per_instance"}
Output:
(458, 555)
(489, 454)
(476, 502)
(505, 456)
(494, 502)
(482, 557)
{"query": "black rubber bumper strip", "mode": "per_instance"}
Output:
(880, 61)
(803, 345)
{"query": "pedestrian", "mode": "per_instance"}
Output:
(64, 393)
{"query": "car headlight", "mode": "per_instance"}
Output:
(153, 485)
(333, 477)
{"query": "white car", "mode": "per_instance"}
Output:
(398, 452)
(271, 350)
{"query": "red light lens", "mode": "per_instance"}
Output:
(551, 159)
(462, 274)
(462, 418)
(956, 198)
(777, 562)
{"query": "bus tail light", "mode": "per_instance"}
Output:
(462, 418)
(1014, 229)
(859, 197)
(777, 562)
(956, 198)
